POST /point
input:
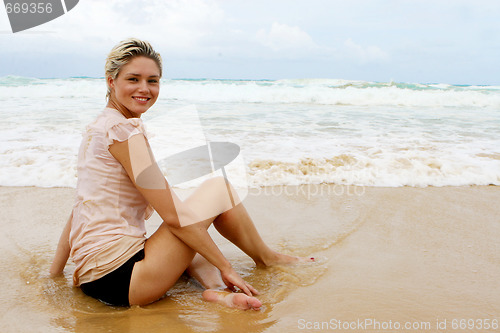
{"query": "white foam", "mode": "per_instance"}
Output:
(387, 169)
(290, 131)
(332, 92)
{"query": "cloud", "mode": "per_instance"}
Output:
(178, 26)
(282, 37)
(364, 54)
(359, 39)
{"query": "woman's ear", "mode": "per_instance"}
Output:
(111, 82)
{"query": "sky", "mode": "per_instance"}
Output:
(418, 41)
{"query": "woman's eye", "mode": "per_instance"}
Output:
(132, 79)
(153, 81)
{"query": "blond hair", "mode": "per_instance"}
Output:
(123, 53)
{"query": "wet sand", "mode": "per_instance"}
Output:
(387, 257)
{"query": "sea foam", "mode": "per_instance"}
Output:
(304, 131)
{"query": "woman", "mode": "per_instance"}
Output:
(119, 185)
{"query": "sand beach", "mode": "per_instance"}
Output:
(388, 260)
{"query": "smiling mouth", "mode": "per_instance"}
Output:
(141, 99)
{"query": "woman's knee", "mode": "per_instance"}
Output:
(216, 184)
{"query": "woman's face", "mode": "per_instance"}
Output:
(136, 87)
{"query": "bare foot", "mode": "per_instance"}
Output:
(232, 300)
(284, 259)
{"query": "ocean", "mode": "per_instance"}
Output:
(290, 132)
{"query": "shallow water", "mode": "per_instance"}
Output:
(54, 305)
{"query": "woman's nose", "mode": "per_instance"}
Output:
(143, 86)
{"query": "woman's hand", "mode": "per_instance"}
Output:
(232, 279)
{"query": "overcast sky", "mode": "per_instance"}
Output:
(438, 41)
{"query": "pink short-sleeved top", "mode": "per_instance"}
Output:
(107, 226)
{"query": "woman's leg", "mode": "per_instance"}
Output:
(167, 257)
(234, 222)
(209, 277)
(237, 226)
(205, 273)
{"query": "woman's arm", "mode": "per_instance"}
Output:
(62, 252)
(136, 157)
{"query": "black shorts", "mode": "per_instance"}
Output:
(113, 287)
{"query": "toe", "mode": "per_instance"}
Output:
(254, 303)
